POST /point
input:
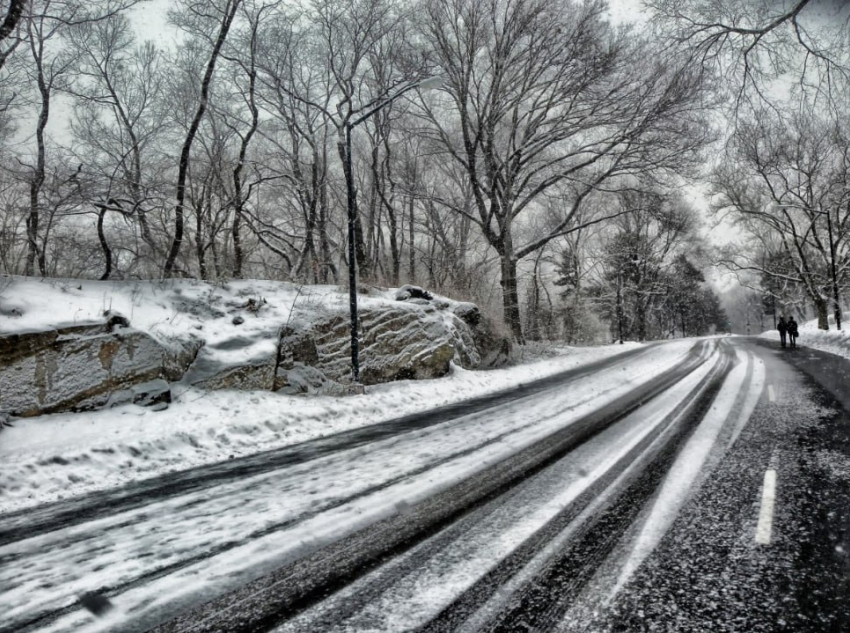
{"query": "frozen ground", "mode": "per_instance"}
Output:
(60, 456)
(833, 341)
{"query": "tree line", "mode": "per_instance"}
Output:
(547, 160)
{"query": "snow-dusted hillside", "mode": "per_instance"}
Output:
(58, 353)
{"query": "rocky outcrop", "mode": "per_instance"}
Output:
(242, 362)
(495, 349)
(404, 342)
(155, 394)
(208, 373)
(80, 367)
(85, 366)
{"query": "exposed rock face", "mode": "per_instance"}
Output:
(213, 369)
(79, 367)
(155, 394)
(253, 374)
(495, 349)
(109, 363)
(404, 342)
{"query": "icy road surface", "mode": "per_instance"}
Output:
(543, 510)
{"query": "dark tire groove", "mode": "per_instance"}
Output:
(266, 602)
(30, 522)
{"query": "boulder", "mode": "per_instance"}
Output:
(79, 367)
(410, 341)
(407, 292)
(208, 372)
(296, 371)
(494, 348)
(300, 379)
(243, 362)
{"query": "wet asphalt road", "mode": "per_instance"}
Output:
(705, 573)
(708, 573)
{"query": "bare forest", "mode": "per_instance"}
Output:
(533, 156)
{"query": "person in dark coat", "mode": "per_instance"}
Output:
(782, 326)
(792, 331)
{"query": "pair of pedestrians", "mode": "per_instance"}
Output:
(789, 328)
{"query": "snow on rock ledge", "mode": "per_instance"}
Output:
(405, 341)
(246, 335)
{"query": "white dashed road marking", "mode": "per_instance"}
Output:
(768, 497)
(771, 394)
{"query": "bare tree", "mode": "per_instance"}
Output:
(789, 184)
(197, 17)
(548, 96)
(752, 42)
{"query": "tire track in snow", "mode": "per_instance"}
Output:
(30, 522)
(292, 589)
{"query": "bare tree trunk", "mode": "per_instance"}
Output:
(510, 295)
(822, 310)
(104, 245)
(227, 20)
(619, 308)
(327, 265)
(411, 264)
(200, 251)
(38, 175)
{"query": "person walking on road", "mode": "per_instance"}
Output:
(792, 331)
(782, 326)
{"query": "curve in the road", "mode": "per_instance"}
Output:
(31, 522)
(290, 590)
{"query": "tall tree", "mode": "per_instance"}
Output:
(197, 17)
(543, 96)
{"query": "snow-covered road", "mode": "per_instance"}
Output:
(163, 558)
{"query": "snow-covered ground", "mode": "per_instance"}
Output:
(61, 456)
(833, 341)
(258, 523)
(179, 308)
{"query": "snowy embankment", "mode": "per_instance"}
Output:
(833, 341)
(64, 455)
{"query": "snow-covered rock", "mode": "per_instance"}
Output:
(409, 341)
(407, 292)
(493, 348)
(154, 393)
(244, 335)
(80, 367)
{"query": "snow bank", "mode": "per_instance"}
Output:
(64, 455)
(175, 308)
